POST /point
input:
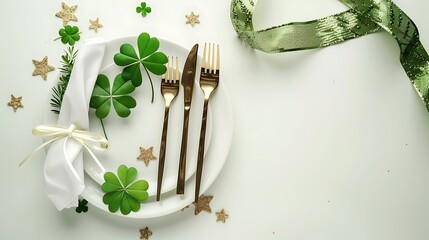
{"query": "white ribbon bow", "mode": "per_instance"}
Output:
(90, 140)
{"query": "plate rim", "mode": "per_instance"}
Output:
(186, 199)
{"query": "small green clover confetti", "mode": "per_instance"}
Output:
(143, 9)
(151, 60)
(122, 192)
(69, 34)
(103, 97)
(82, 206)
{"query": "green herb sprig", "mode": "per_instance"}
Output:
(67, 61)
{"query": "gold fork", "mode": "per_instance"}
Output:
(209, 80)
(169, 90)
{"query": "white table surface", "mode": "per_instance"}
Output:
(328, 144)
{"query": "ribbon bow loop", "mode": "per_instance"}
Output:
(90, 140)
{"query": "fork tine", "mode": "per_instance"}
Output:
(170, 69)
(203, 64)
(213, 55)
(218, 58)
(211, 58)
(177, 69)
(165, 74)
(215, 58)
(173, 73)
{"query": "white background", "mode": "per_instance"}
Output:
(328, 144)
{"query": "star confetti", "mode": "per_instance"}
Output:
(192, 19)
(221, 216)
(15, 102)
(95, 24)
(146, 155)
(67, 13)
(42, 68)
(145, 233)
(183, 209)
(203, 204)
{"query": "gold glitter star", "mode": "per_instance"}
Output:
(145, 233)
(42, 68)
(192, 19)
(67, 13)
(221, 216)
(95, 24)
(203, 204)
(15, 102)
(146, 155)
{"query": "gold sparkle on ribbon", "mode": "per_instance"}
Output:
(146, 155)
(203, 204)
(95, 24)
(15, 102)
(67, 13)
(221, 216)
(145, 233)
(192, 18)
(42, 67)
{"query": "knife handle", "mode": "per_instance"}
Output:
(180, 189)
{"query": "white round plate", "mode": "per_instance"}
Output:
(143, 129)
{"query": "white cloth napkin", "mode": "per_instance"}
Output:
(63, 170)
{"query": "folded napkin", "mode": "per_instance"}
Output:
(63, 170)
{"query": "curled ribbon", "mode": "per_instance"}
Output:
(363, 17)
(90, 140)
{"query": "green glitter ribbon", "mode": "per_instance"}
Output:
(363, 17)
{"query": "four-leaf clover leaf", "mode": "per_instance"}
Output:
(102, 98)
(69, 34)
(122, 192)
(151, 60)
(82, 206)
(143, 9)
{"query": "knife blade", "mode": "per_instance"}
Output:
(188, 80)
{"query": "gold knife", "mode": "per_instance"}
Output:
(188, 80)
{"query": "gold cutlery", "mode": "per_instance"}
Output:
(169, 90)
(188, 81)
(209, 80)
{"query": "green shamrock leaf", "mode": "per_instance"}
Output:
(69, 34)
(82, 206)
(143, 9)
(102, 97)
(151, 60)
(122, 192)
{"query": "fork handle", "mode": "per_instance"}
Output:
(162, 150)
(180, 189)
(201, 150)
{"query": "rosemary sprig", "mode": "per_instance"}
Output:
(58, 91)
